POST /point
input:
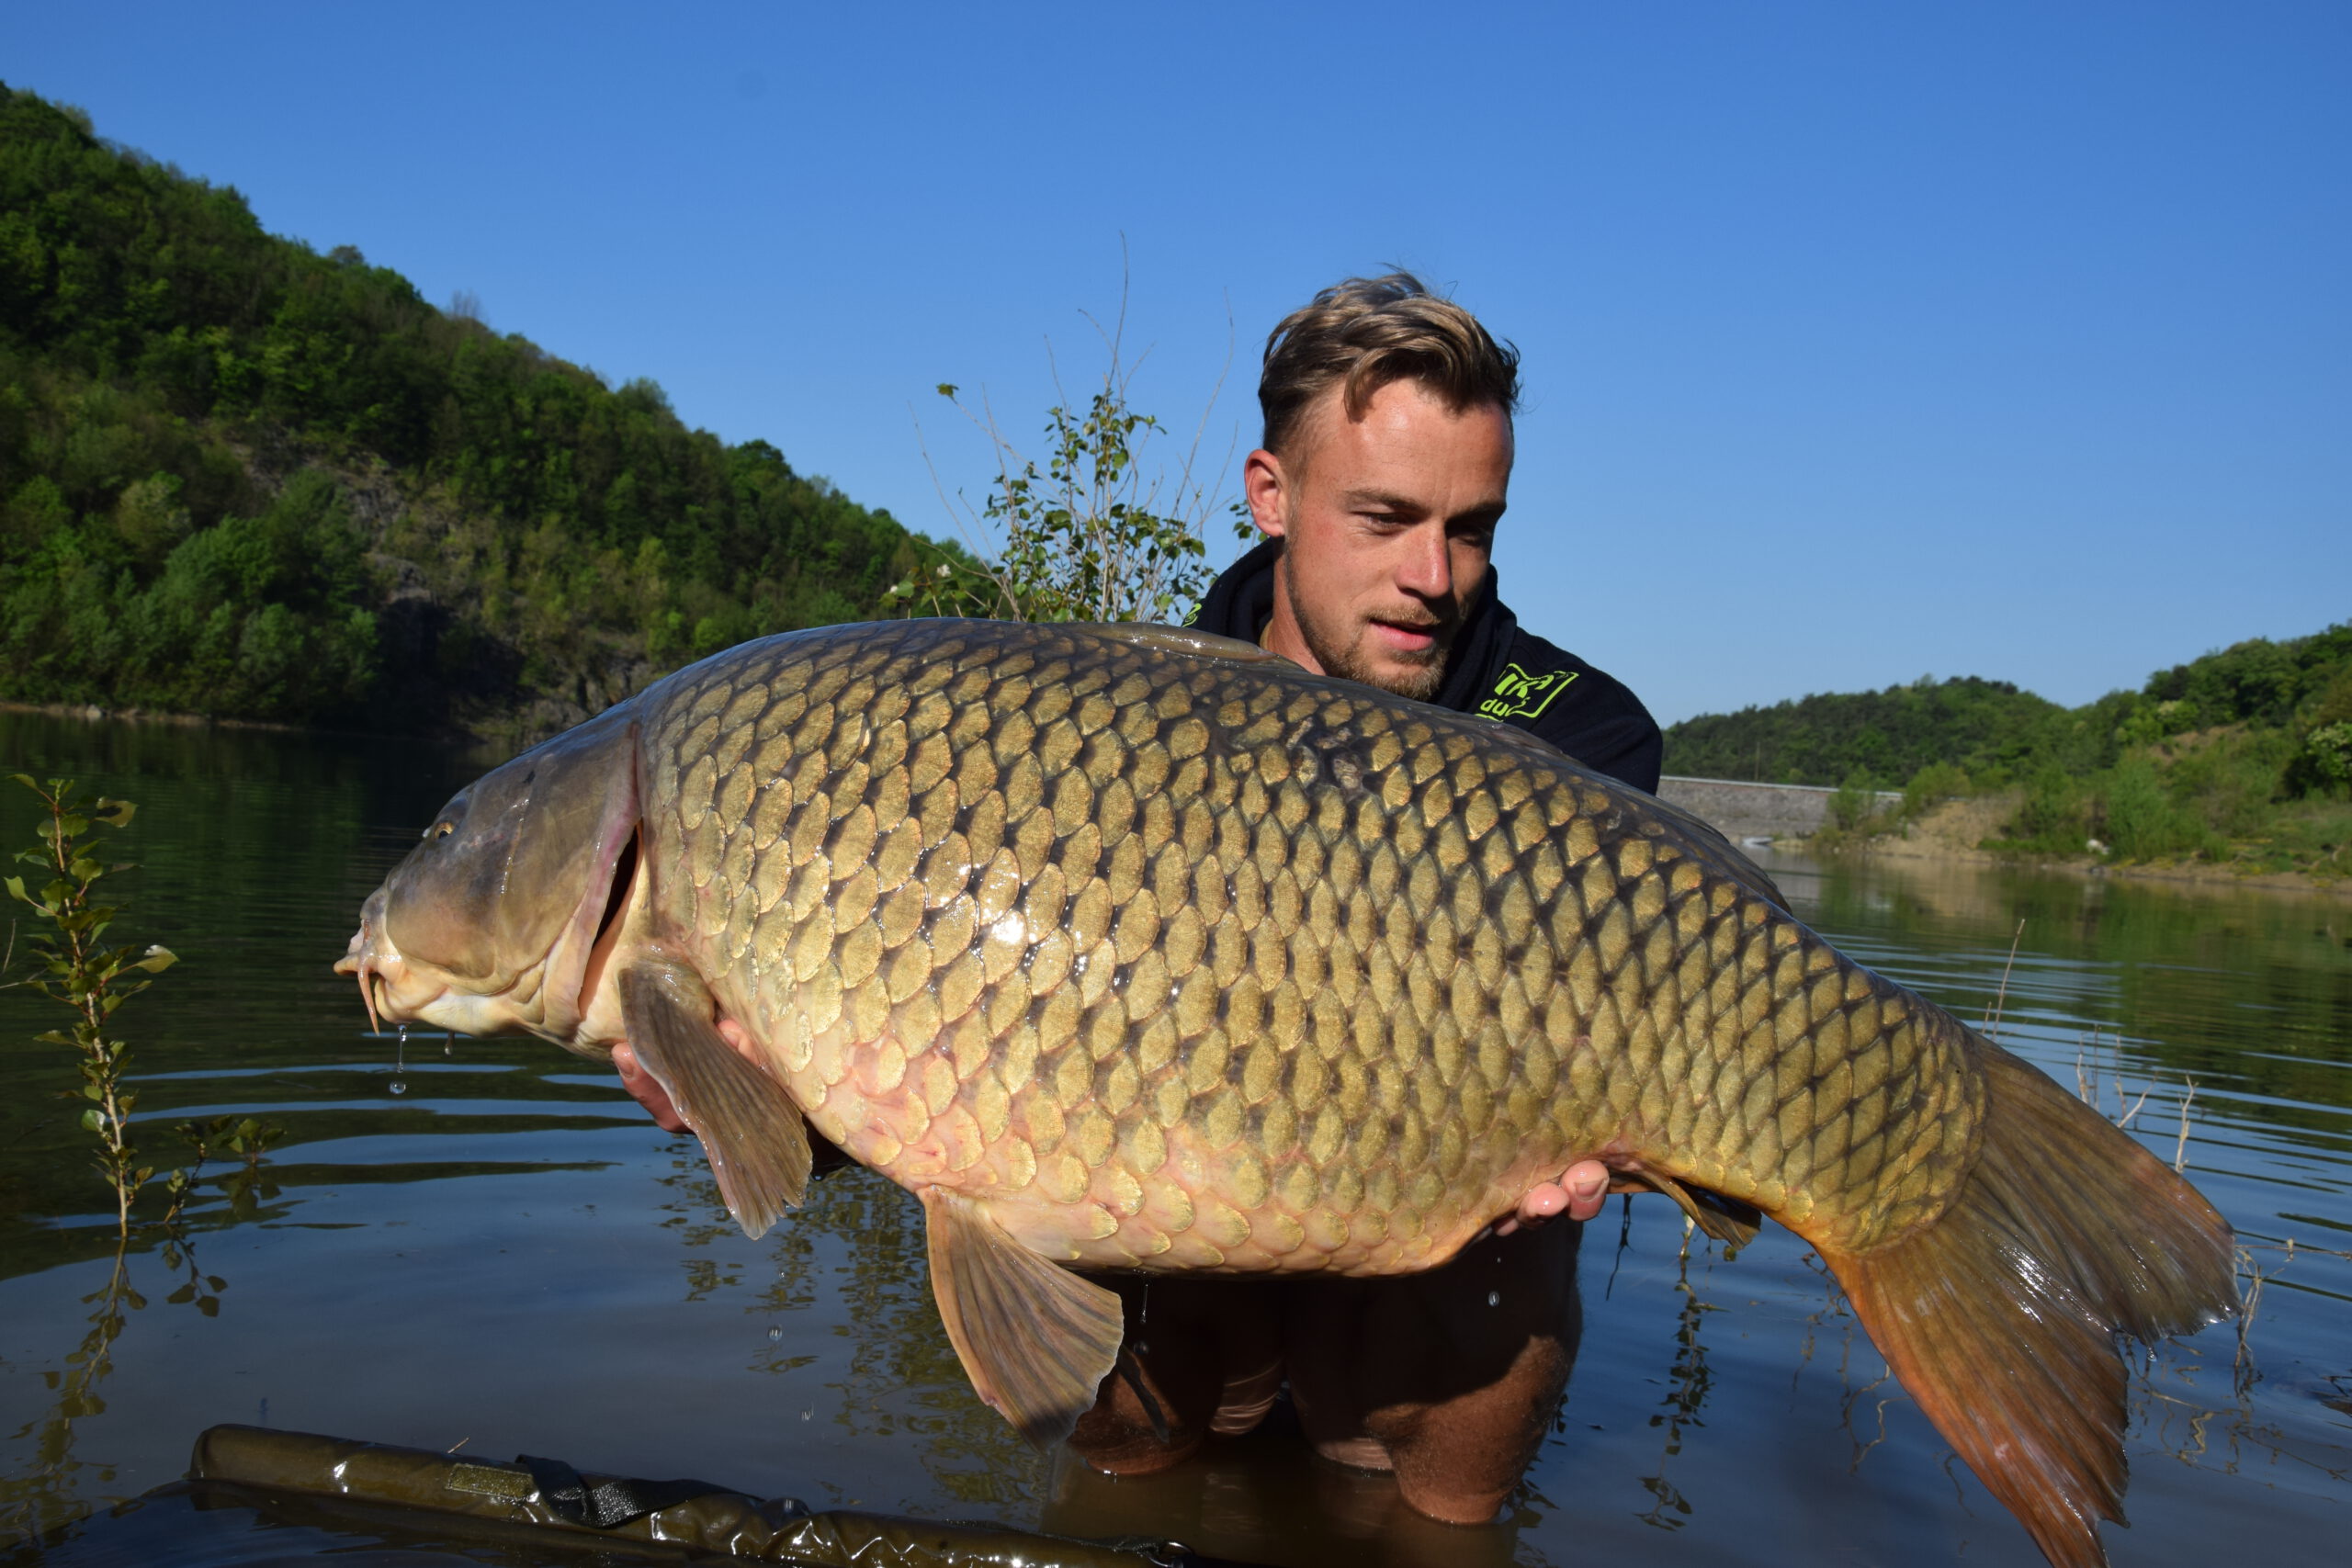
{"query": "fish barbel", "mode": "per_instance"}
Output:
(1131, 948)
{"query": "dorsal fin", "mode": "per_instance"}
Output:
(1180, 639)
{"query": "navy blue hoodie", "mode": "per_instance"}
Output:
(1498, 670)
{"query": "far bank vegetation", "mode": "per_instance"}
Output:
(2240, 758)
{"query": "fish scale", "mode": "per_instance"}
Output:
(1061, 939)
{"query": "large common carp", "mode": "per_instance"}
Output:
(1134, 949)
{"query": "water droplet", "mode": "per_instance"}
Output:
(775, 1333)
(399, 1088)
(400, 1060)
(1493, 1298)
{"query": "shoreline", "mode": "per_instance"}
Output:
(93, 713)
(2202, 875)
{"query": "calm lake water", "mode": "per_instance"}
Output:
(485, 1242)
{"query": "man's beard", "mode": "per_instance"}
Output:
(1424, 674)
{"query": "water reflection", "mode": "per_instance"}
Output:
(1689, 1382)
(45, 1492)
(48, 1489)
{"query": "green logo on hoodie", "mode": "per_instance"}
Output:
(1519, 695)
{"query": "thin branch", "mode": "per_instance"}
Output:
(2180, 1149)
(2001, 997)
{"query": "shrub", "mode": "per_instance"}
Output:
(2141, 820)
(1855, 803)
(2323, 766)
(1931, 786)
(2052, 815)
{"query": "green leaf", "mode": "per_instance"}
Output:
(158, 959)
(91, 1120)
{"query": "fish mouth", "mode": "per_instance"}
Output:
(370, 956)
(396, 991)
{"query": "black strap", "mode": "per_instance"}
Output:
(612, 1500)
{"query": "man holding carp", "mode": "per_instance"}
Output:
(1385, 469)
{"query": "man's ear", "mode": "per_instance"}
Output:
(1265, 485)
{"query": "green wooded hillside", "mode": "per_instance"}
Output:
(243, 478)
(1993, 730)
(1889, 735)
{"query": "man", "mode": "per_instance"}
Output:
(1385, 470)
(1385, 467)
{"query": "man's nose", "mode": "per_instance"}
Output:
(1426, 571)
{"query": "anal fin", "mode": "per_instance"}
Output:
(752, 1130)
(1727, 1220)
(1035, 1338)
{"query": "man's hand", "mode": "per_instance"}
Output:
(1579, 1194)
(646, 1089)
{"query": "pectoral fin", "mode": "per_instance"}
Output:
(1035, 1338)
(1727, 1220)
(750, 1130)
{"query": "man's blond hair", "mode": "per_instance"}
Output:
(1367, 332)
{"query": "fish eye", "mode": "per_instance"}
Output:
(440, 829)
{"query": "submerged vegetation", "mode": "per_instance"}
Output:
(2241, 757)
(241, 478)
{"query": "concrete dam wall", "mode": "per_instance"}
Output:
(1738, 809)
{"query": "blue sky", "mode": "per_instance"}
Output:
(1861, 341)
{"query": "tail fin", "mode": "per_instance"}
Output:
(2001, 1317)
